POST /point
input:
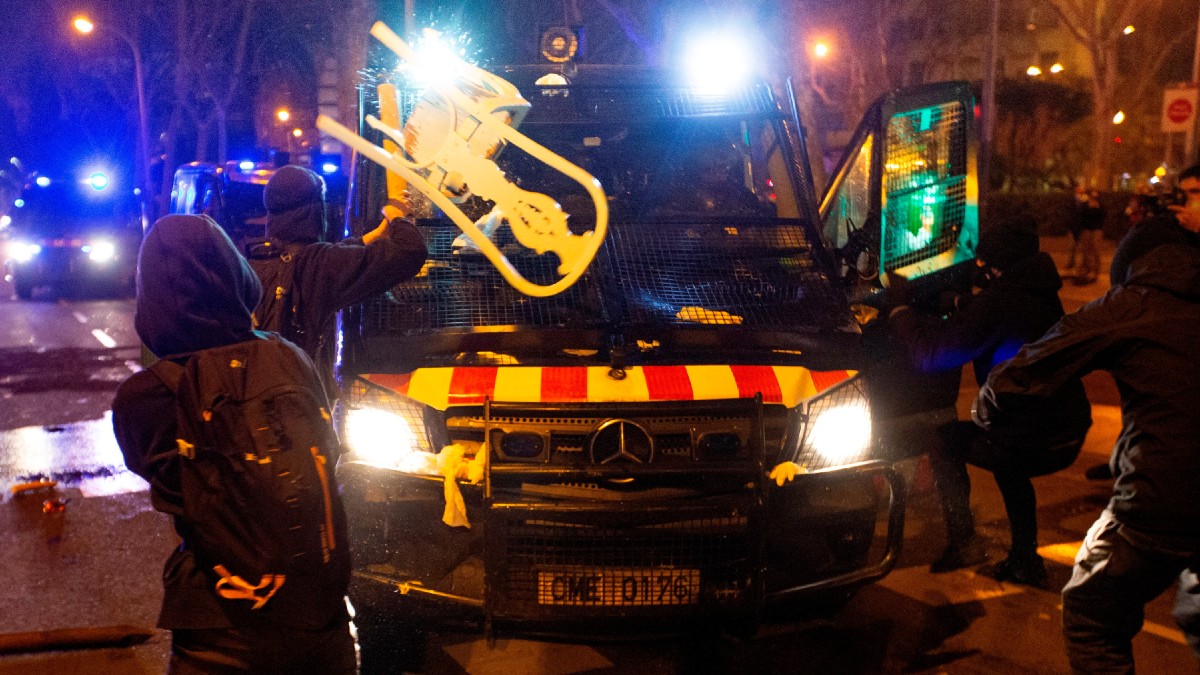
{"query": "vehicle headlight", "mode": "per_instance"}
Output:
(381, 437)
(23, 251)
(838, 428)
(841, 433)
(100, 251)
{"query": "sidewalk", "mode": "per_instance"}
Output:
(1074, 297)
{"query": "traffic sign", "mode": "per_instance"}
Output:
(1179, 109)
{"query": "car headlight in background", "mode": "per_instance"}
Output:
(100, 251)
(22, 251)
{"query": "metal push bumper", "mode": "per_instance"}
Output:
(528, 566)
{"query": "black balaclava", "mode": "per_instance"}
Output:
(1012, 242)
(295, 201)
(194, 290)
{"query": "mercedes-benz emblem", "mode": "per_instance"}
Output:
(621, 440)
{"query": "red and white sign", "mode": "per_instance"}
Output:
(1179, 110)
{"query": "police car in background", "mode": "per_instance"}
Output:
(76, 233)
(232, 194)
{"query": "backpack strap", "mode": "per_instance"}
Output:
(170, 374)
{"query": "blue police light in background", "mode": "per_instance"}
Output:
(717, 62)
(98, 180)
(43, 181)
(328, 168)
(246, 165)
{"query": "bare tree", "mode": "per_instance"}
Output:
(1099, 25)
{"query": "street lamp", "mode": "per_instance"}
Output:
(86, 27)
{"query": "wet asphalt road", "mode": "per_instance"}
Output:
(96, 562)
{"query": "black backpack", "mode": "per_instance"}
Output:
(277, 311)
(261, 512)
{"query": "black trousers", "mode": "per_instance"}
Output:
(1117, 571)
(962, 443)
(275, 651)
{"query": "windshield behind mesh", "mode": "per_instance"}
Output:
(705, 232)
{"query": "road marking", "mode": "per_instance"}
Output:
(1065, 553)
(1164, 632)
(103, 338)
(79, 317)
(952, 588)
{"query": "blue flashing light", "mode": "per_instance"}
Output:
(246, 165)
(43, 181)
(98, 181)
(328, 168)
(19, 203)
(719, 62)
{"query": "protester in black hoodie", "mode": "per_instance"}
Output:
(1018, 301)
(194, 292)
(324, 276)
(1146, 334)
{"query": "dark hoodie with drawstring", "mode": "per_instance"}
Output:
(194, 292)
(1146, 333)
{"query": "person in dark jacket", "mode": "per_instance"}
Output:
(194, 292)
(1180, 225)
(1090, 220)
(1018, 301)
(326, 277)
(1145, 333)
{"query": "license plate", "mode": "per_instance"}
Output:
(606, 587)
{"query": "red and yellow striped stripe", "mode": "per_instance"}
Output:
(441, 388)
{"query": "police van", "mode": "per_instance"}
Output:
(683, 434)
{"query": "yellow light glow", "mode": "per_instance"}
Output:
(83, 25)
(1057, 68)
(1119, 117)
(1161, 172)
(1129, 29)
(821, 50)
(297, 133)
(283, 114)
(1033, 71)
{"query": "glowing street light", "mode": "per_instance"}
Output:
(85, 26)
(1057, 68)
(297, 132)
(283, 115)
(1129, 29)
(1119, 117)
(821, 50)
(1033, 71)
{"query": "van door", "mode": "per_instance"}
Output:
(904, 199)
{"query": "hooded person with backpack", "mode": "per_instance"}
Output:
(231, 430)
(307, 280)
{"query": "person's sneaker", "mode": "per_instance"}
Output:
(957, 556)
(1099, 472)
(1027, 571)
